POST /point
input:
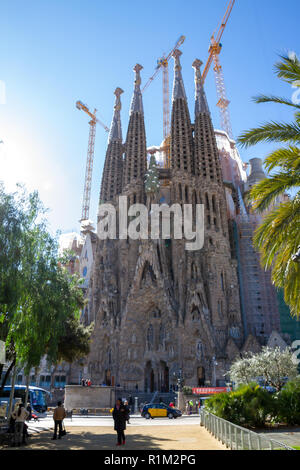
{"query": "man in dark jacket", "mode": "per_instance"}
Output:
(120, 415)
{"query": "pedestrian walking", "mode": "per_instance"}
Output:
(83, 382)
(59, 415)
(187, 408)
(130, 403)
(20, 417)
(191, 404)
(127, 411)
(120, 415)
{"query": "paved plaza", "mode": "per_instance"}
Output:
(97, 433)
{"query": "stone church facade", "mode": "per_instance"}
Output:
(159, 308)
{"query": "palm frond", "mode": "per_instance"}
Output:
(271, 132)
(274, 99)
(286, 157)
(288, 69)
(264, 193)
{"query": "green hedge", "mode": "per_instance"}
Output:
(251, 405)
(287, 408)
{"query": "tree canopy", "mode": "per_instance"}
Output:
(40, 302)
(278, 236)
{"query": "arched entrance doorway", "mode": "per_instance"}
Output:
(163, 377)
(149, 378)
(200, 376)
(108, 377)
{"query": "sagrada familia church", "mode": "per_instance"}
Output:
(159, 308)
(161, 311)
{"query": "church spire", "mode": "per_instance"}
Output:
(135, 163)
(111, 184)
(181, 128)
(207, 161)
(178, 86)
(201, 105)
(137, 102)
(115, 133)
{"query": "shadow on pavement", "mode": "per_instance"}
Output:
(91, 441)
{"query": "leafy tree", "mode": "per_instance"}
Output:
(278, 236)
(74, 343)
(40, 301)
(270, 366)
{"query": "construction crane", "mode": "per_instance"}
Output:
(89, 159)
(163, 63)
(214, 52)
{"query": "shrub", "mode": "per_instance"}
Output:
(288, 403)
(249, 405)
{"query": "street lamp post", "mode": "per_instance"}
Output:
(214, 381)
(180, 381)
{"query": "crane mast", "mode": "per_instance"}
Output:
(163, 63)
(90, 159)
(214, 52)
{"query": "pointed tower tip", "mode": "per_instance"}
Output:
(137, 103)
(138, 67)
(201, 105)
(178, 87)
(118, 91)
(176, 53)
(197, 64)
(115, 133)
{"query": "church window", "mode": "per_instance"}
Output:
(150, 338)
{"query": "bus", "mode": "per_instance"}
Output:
(37, 397)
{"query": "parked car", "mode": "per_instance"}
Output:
(159, 410)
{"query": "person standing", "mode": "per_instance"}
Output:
(127, 411)
(120, 415)
(59, 415)
(130, 403)
(20, 417)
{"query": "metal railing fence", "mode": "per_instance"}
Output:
(236, 437)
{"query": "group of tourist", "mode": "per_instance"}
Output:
(120, 414)
(190, 407)
(86, 382)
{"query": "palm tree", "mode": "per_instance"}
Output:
(278, 236)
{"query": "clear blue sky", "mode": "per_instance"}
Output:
(54, 52)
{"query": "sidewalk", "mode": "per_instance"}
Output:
(290, 436)
(137, 437)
